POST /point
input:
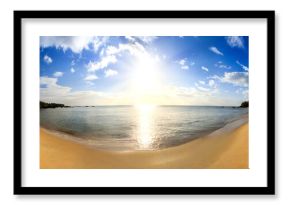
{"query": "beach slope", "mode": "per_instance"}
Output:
(216, 151)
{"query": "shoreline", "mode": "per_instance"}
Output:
(224, 148)
(229, 126)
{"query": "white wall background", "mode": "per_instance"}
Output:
(282, 99)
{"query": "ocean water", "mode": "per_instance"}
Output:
(137, 127)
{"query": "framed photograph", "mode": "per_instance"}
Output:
(144, 102)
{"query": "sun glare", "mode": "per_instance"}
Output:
(145, 80)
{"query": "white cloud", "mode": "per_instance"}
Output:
(110, 53)
(147, 39)
(235, 41)
(235, 78)
(72, 70)
(110, 72)
(184, 67)
(103, 63)
(198, 95)
(216, 51)
(112, 50)
(58, 74)
(246, 94)
(52, 92)
(238, 91)
(130, 38)
(183, 64)
(157, 58)
(98, 42)
(135, 49)
(75, 43)
(202, 88)
(211, 83)
(220, 64)
(204, 68)
(47, 59)
(169, 95)
(243, 92)
(243, 66)
(182, 91)
(90, 83)
(47, 81)
(91, 77)
(182, 61)
(51, 89)
(102, 52)
(143, 39)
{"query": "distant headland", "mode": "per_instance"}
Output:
(44, 105)
(245, 104)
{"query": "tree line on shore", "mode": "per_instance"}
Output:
(245, 104)
(44, 105)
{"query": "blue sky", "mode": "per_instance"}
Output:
(117, 70)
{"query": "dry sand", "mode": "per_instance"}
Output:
(224, 150)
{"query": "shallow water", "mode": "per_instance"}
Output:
(137, 127)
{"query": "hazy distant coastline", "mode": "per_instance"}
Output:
(44, 105)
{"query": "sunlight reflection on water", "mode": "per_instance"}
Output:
(146, 133)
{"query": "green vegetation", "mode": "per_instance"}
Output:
(245, 104)
(44, 105)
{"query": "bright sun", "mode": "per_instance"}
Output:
(145, 80)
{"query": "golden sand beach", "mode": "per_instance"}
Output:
(215, 151)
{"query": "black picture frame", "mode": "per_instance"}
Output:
(268, 190)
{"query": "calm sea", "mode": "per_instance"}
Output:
(137, 127)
